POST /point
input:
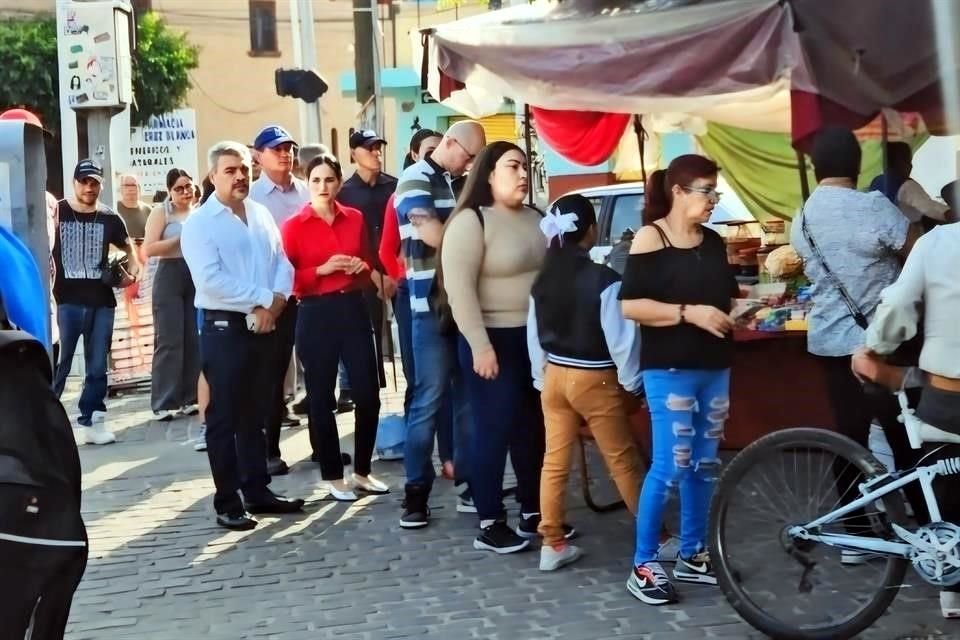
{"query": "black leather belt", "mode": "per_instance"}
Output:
(320, 299)
(213, 315)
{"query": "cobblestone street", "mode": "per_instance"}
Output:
(160, 568)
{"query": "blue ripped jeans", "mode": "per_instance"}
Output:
(688, 408)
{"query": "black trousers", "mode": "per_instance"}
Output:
(854, 409)
(330, 328)
(233, 362)
(285, 333)
(38, 585)
(942, 409)
(377, 310)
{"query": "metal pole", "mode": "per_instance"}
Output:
(884, 138)
(311, 125)
(946, 19)
(377, 64)
(298, 63)
(528, 143)
(641, 144)
(804, 180)
(393, 30)
(98, 148)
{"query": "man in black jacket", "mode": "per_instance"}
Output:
(368, 191)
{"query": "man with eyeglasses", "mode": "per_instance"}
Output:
(283, 194)
(133, 210)
(424, 200)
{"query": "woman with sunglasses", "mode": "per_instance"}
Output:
(678, 287)
(176, 353)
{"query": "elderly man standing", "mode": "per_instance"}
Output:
(243, 281)
(133, 210)
(424, 201)
(283, 194)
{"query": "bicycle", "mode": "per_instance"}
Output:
(798, 602)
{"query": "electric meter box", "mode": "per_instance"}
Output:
(23, 196)
(95, 54)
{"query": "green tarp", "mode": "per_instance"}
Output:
(763, 169)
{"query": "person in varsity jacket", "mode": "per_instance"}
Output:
(583, 355)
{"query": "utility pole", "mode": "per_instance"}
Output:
(368, 58)
(377, 49)
(94, 46)
(305, 57)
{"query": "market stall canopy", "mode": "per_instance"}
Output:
(766, 65)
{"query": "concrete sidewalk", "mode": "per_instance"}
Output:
(161, 569)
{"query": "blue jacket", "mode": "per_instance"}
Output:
(21, 288)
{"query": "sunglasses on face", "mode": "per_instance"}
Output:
(184, 188)
(710, 192)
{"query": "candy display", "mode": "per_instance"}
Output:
(774, 307)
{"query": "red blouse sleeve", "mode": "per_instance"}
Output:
(390, 242)
(303, 277)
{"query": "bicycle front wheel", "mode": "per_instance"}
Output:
(796, 589)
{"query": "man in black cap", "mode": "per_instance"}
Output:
(85, 231)
(368, 190)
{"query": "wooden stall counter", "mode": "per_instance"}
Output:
(775, 384)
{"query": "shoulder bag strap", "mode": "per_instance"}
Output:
(855, 312)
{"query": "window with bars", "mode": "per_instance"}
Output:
(263, 27)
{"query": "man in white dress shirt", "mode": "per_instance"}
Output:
(284, 195)
(243, 280)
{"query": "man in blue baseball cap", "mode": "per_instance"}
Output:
(283, 194)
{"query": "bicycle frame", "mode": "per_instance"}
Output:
(924, 475)
(918, 432)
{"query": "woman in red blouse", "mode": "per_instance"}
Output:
(327, 244)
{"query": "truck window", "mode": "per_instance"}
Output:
(626, 215)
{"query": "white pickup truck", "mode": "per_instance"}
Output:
(619, 208)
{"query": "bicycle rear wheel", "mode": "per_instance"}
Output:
(795, 589)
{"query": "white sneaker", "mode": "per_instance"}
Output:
(465, 505)
(166, 416)
(99, 434)
(370, 484)
(201, 443)
(80, 434)
(950, 604)
(552, 558)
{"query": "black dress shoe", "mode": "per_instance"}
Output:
(302, 407)
(242, 521)
(277, 467)
(272, 503)
(345, 402)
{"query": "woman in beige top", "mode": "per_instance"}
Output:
(491, 253)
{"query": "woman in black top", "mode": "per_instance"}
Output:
(678, 287)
